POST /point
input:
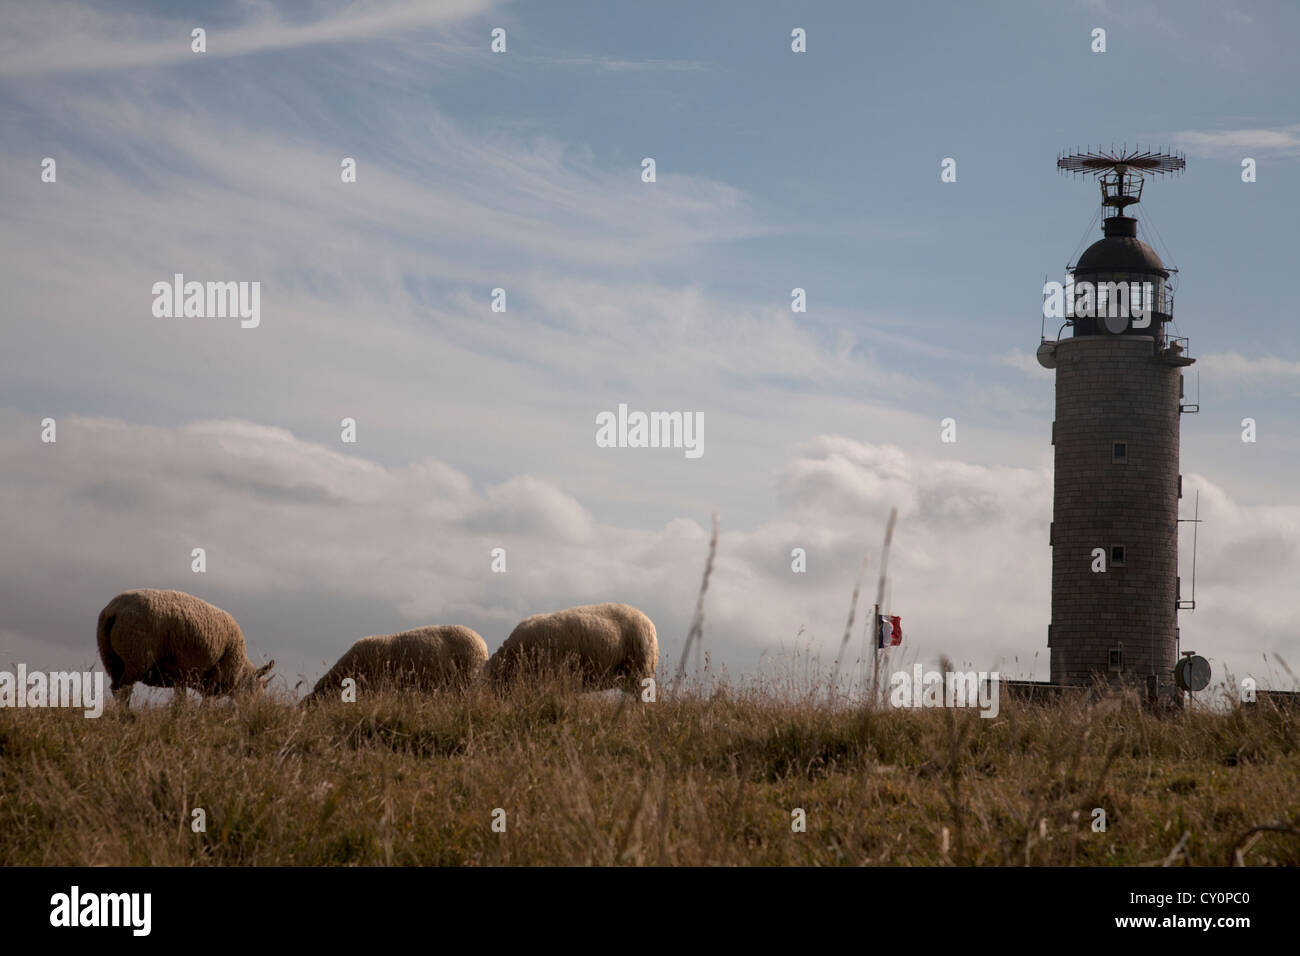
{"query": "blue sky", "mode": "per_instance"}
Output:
(522, 170)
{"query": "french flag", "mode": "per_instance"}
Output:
(889, 633)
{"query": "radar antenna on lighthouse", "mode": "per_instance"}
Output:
(1121, 172)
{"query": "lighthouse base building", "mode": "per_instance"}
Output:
(1116, 491)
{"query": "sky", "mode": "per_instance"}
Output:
(522, 170)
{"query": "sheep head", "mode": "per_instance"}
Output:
(255, 680)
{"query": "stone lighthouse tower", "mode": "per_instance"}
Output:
(1119, 387)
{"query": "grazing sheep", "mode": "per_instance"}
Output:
(611, 645)
(425, 658)
(173, 639)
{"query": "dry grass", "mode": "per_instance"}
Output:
(698, 779)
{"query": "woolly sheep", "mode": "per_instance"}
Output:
(173, 639)
(425, 658)
(612, 645)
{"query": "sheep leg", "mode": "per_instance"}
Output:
(124, 680)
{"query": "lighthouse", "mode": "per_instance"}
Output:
(1119, 399)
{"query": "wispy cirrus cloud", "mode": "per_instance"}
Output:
(1237, 143)
(65, 36)
(376, 294)
(617, 65)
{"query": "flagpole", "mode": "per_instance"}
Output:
(875, 660)
(880, 596)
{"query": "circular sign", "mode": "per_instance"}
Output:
(1192, 673)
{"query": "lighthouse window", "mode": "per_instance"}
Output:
(1117, 556)
(1119, 453)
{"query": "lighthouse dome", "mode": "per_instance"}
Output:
(1121, 251)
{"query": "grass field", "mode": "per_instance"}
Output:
(692, 779)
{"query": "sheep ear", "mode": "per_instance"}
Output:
(263, 671)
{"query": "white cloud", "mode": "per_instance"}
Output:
(311, 548)
(1232, 366)
(1024, 362)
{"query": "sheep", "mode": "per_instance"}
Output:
(173, 639)
(425, 658)
(611, 645)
